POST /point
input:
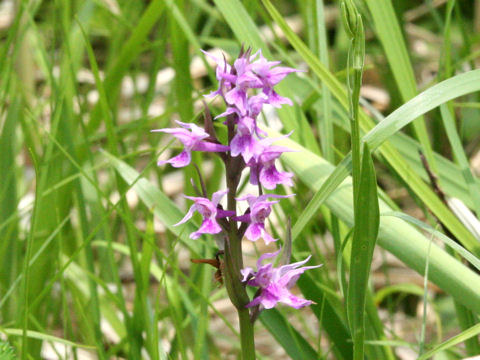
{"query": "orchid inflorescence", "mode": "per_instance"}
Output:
(246, 86)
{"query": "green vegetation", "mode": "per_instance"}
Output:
(385, 118)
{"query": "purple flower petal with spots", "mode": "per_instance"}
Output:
(209, 211)
(260, 209)
(262, 165)
(275, 283)
(270, 177)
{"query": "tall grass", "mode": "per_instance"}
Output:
(90, 264)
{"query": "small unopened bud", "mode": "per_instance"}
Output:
(350, 17)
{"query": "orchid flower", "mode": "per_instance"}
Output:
(193, 139)
(260, 209)
(275, 283)
(210, 213)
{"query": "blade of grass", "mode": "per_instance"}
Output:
(400, 239)
(460, 157)
(129, 52)
(429, 99)
(464, 335)
(288, 337)
(391, 38)
(365, 233)
(472, 259)
(8, 203)
(44, 337)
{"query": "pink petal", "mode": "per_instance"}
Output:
(277, 101)
(254, 302)
(187, 216)
(243, 218)
(243, 145)
(217, 196)
(246, 272)
(181, 160)
(238, 98)
(230, 110)
(268, 238)
(294, 301)
(267, 256)
(209, 226)
(254, 232)
(270, 177)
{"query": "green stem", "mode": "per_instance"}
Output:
(246, 335)
(233, 264)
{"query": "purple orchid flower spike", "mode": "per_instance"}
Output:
(193, 138)
(275, 283)
(260, 209)
(210, 212)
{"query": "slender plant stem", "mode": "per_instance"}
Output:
(234, 260)
(356, 54)
(246, 335)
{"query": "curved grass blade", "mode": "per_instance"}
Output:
(472, 259)
(391, 37)
(431, 98)
(401, 239)
(422, 103)
(44, 337)
(457, 339)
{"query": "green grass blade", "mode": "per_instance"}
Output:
(44, 337)
(129, 52)
(390, 35)
(460, 157)
(289, 338)
(330, 320)
(431, 98)
(326, 124)
(165, 210)
(403, 241)
(472, 259)
(363, 243)
(8, 203)
(464, 335)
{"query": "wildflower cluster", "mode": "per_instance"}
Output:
(246, 86)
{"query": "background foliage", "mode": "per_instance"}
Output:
(89, 262)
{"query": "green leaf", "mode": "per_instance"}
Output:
(426, 101)
(391, 37)
(401, 239)
(431, 98)
(289, 338)
(365, 233)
